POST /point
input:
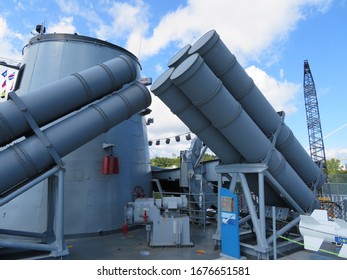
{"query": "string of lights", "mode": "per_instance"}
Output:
(168, 139)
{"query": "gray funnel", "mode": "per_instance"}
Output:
(208, 93)
(59, 98)
(226, 67)
(24, 160)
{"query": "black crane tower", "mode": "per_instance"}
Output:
(314, 127)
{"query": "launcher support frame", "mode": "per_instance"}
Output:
(52, 240)
(238, 174)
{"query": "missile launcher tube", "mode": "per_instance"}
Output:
(206, 91)
(190, 115)
(181, 106)
(59, 98)
(226, 67)
(28, 158)
(179, 57)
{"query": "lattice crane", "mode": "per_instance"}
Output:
(315, 137)
(314, 127)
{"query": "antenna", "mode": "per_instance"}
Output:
(140, 46)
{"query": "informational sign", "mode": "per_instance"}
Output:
(229, 218)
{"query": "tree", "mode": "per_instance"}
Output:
(336, 175)
(208, 157)
(165, 162)
(333, 166)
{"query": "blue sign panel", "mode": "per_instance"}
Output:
(229, 218)
(339, 239)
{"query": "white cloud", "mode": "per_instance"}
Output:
(281, 94)
(7, 38)
(65, 25)
(86, 11)
(127, 20)
(338, 153)
(165, 125)
(69, 6)
(3, 27)
(159, 68)
(169, 150)
(253, 30)
(323, 91)
(249, 28)
(165, 122)
(281, 73)
(19, 6)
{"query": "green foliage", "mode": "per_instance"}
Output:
(208, 157)
(165, 162)
(333, 166)
(336, 175)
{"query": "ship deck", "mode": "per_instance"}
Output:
(134, 246)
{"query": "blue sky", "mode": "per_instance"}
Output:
(270, 38)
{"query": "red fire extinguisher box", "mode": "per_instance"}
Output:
(110, 165)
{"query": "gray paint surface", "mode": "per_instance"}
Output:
(199, 124)
(226, 67)
(180, 105)
(93, 202)
(59, 98)
(208, 93)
